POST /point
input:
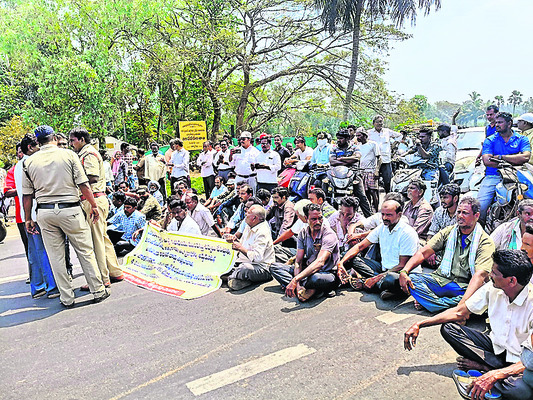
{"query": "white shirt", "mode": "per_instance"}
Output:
(108, 171)
(502, 235)
(304, 155)
(383, 139)
(242, 161)
(511, 323)
(449, 149)
(188, 226)
(402, 241)
(17, 174)
(204, 219)
(180, 163)
(205, 161)
(273, 161)
(369, 154)
(375, 219)
(225, 163)
(258, 243)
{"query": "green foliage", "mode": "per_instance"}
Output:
(198, 184)
(11, 132)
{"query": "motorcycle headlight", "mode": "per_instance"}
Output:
(341, 183)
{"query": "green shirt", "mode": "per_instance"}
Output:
(460, 272)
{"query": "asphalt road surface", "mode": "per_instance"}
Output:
(253, 344)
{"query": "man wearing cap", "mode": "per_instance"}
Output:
(242, 158)
(344, 154)
(53, 177)
(268, 164)
(94, 168)
(525, 124)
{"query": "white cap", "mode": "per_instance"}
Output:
(528, 117)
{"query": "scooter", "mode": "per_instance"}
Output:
(410, 169)
(300, 182)
(516, 184)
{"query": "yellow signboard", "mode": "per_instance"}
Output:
(193, 134)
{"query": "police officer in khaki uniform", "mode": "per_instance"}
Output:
(52, 176)
(93, 165)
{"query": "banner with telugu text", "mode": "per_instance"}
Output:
(185, 266)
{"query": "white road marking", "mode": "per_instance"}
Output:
(19, 310)
(13, 278)
(248, 369)
(14, 296)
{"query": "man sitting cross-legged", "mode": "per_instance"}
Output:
(255, 248)
(465, 266)
(316, 259)
(508, 298)
(397, 240)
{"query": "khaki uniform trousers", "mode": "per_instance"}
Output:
(57, 223)
(106, 258)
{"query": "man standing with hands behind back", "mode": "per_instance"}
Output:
(53, 177)
(93, 166)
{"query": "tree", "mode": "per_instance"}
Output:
(472, 109)
(346, 15)
(500, 101)
(515, 99)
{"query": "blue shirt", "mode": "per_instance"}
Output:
(217, 192)
(496, 146)
(490, 130)
(128, 225)
(321, 155)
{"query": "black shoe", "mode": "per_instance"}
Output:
(68, 305)
(101, 298)
(39, 293)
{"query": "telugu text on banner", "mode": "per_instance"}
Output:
(185, 266)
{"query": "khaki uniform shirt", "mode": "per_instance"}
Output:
(460, 272)
(529, 134)
(54, 175)
(93, 165)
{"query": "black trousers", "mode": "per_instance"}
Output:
(477, 346)
(359, 192)
(24, 238)
(209, 184)
(385, 171)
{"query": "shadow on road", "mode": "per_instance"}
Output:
(439, 369)
(18, 307)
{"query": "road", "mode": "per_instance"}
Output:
(253, 344)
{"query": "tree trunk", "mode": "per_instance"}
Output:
(243, 100)
(355, 59)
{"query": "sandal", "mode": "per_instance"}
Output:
(357, 283)
(305, 294)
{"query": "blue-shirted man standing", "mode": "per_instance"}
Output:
(504, 146)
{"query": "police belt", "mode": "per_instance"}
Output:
(246, 176)
(47, 206)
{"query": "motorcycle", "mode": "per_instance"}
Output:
(300, 182)
(516, 184)
(410, 168)
(339, 182)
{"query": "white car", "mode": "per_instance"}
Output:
(469, 144)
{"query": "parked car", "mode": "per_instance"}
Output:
(469, 144)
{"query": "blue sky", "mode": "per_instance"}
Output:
(467, 45)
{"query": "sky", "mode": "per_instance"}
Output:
(467, 45)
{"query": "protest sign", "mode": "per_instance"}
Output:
(193, 134)
(185, 266)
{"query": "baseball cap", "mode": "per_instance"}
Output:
(42, 131)
(246, 134)
(263, 136)
(528, 117)
(230, 182)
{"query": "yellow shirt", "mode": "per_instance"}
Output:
(52, 175)
(529, 135)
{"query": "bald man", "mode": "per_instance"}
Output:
(256, 251)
